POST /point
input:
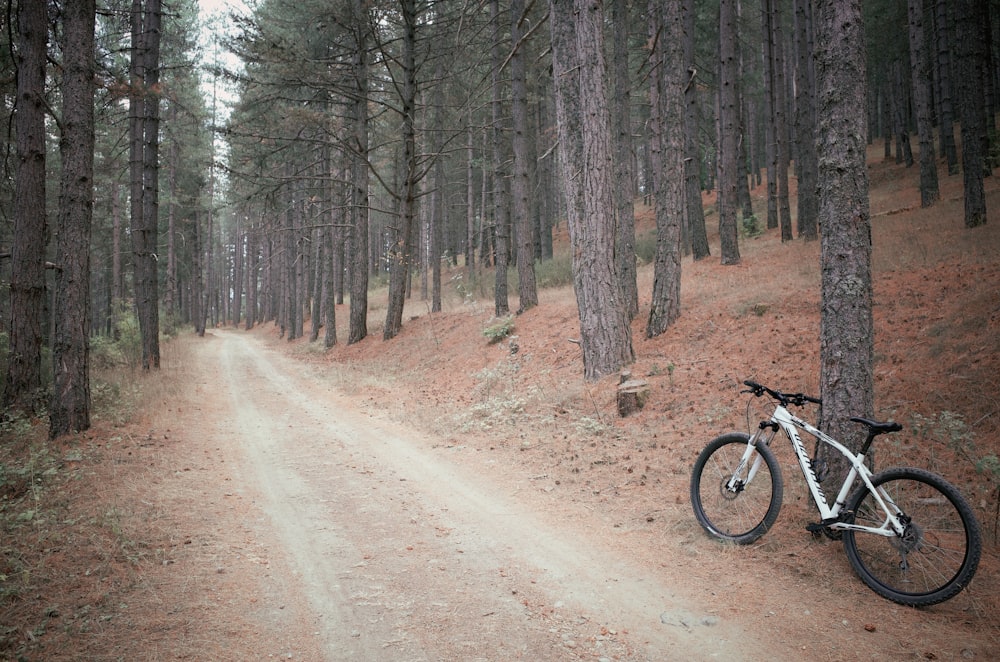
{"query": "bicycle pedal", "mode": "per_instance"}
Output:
(819, 527)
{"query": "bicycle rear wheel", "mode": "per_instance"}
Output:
(939, 551)
(744, 512)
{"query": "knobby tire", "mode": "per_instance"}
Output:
(938, 554)
(744, 516)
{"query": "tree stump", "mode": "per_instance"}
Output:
(632, 394)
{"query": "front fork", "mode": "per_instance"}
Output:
(764, 434)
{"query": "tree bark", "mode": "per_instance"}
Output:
(780, 107)
(945, 88)
(805, 123)
(144, 105)
(527, 289)
(692, 151)
(971, 61)
(407, 200)
(846, 328)
(22, 386)
(605, 334)
(70, 409)
(501, 234)
(358, 322)
(667, 118)
(921, 85)
(624, 177)
(729, 166)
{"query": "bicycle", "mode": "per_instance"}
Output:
(908, 533)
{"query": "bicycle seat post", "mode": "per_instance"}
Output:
(875, 428)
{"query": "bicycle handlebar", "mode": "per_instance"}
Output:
(797, 399)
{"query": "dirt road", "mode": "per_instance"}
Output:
(401, 553)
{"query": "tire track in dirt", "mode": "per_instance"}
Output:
(403, 554)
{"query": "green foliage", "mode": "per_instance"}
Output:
(501, 398)
(499, 330)
(114, 399)
(645, 247)
(122, 350)
(555, 272)
(950, 429)
(751, 227)
(170, 324)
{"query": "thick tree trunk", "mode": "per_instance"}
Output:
(729, 166)
(527, 290)
(239, 264)
(624, 177)
(805, 123)
(781, 121)
(900, 105)
(407, 200)
(501, 232)
(946, 86)
(70, 410)
(330, 287)
(144, 111)
(667, 117)
(692, 153)
(770, 129)
(971, 61)
(921, 86)
(322, 256)
(605, 334)
(846, 328)
(197, 280)
(22, 386)
(358, 323)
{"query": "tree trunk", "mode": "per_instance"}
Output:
(770, 129)
(946, 84)
(501, 235)
(605, 334)
(846, 328)
(330, 288)
(624, 177)
(197, 282)
(358, 323)
(323, 255)
(667, 118)
(692, 151)
(921, 84)
(407, 202)
(900, 97)
(779, 109)
(144, 111)
(729, 166)
(239, 265)
(527, 290)
(22, 387)
(805, 123)
(70, 410)
(971, 62)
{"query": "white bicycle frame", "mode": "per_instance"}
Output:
(791, 424)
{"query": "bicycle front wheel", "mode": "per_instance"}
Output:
(734, 500)
(939, 551)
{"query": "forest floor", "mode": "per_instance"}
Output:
(437, 497)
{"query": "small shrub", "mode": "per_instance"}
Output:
(751, 227)
(645, 248)
(499, 330)
(555, 272)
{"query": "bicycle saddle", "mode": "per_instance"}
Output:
(878, 427)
